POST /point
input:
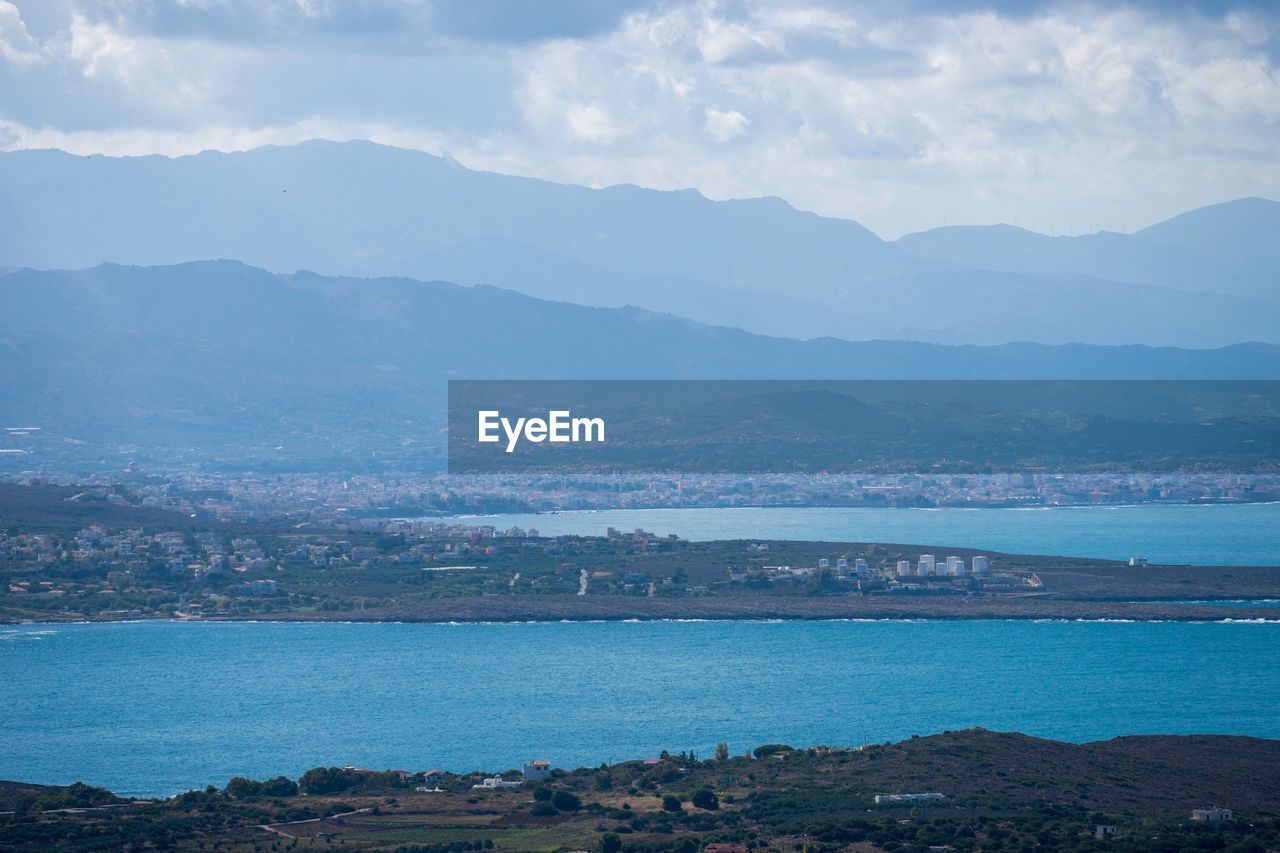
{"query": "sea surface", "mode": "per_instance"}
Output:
(154, 708)
(1199, 534)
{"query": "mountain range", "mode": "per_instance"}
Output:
(229, 363)
(1203, 279)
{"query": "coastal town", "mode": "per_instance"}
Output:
(91, 554)
(336, 500)
(130, 570)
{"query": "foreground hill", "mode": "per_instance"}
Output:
(362, 209)
(998, 792)
(313, 370)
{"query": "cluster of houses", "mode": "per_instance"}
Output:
(927, 573)
(122, 558)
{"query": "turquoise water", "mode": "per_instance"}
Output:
(159, 707)
(1221, 534)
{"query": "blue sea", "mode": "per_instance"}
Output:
(155, 708)
(1200, 534)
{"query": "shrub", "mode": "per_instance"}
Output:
(565, 802)
(705, 798)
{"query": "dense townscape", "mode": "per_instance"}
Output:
(329, 499)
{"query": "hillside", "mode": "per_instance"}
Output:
(999, 791)
(253, 367)
(361, 209)
(67, 509)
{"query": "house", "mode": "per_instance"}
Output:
(496, 782)
(1211, 814)
(1104, 831)
(536, 771)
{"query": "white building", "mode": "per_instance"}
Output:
(1211, 814)
(955, 566)
(908, 798)
(904, 568)
(536, 771)
(980, 566)
(927, 565)
(496, 782)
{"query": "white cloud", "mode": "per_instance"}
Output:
(724, 125)
(1063, 113)
(590, 123)
(16, 44)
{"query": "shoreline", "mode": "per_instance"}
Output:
(1011, 505)
(551, 609)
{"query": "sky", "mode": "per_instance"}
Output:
(1063, 117)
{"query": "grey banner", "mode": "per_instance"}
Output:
(735, 426)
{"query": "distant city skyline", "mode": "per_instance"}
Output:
(1060, 117)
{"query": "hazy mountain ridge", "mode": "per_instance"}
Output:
(1228, 248)
(368, 210)
(224, 357)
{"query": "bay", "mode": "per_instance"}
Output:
(1187, 534)
(153, 708)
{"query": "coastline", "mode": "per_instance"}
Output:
(571, 608)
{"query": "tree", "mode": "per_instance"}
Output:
(240, 788)
(771, 749)
(565, 802)
(722, 751)
(281, 786)
(542, 808)
(610, 843)
(671, 803)
(329, 780)
(705, 798)
(542, 794)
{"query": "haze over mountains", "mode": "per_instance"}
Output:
(1205, 279)
(246, 360)
(1229, 248)
(226, 363)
